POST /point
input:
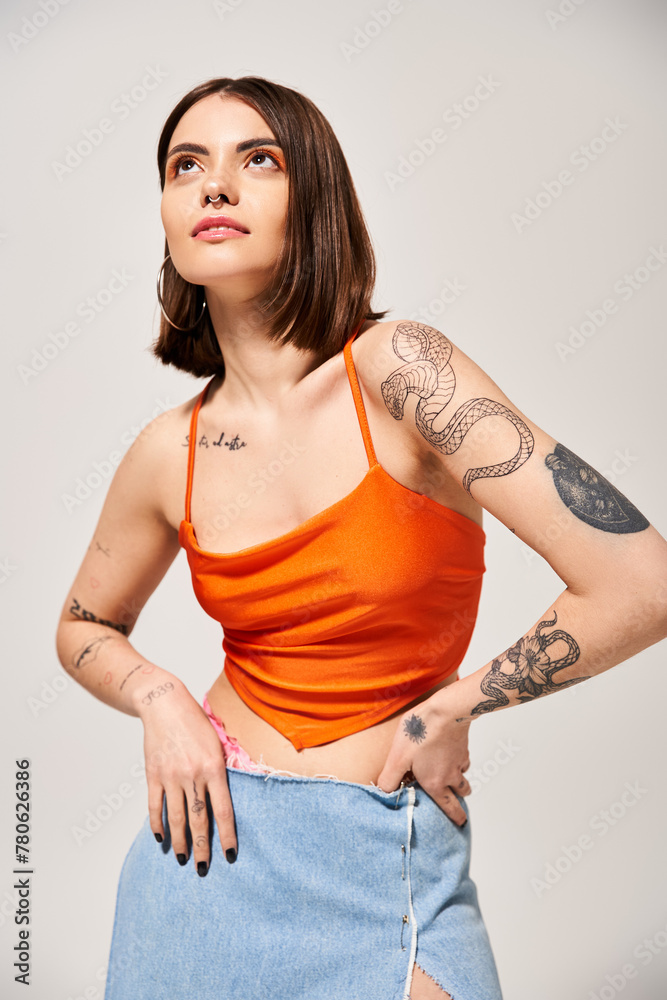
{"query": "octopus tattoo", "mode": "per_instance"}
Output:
(533, 670)
(428, 373)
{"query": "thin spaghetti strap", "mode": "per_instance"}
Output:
(358, 400)
(191, 446)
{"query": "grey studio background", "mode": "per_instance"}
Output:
(510, 158)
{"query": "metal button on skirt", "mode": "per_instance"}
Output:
(337, 891)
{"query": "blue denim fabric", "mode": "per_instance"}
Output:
(338, 889)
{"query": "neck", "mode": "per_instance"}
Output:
(259, 372)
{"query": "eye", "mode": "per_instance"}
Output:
(182, 161)
(270, 159)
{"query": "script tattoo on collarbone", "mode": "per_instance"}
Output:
(234, 444)
(428, 373)
(590, 496)
(532, 669)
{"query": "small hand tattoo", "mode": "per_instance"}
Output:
(201, 841)
(197, 805)
(415, 729)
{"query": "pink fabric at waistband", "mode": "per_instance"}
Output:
(235, 755)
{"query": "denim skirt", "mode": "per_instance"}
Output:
(338, 890)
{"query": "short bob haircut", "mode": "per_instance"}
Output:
(323, 280)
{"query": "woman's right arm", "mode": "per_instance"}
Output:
(131, 550)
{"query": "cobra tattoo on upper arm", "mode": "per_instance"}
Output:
(533, 669)
(590, 496)
(430, 376)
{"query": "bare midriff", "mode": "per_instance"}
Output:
(359, 757)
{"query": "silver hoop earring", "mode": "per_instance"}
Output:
(183, 329)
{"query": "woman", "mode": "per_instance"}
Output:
(334, 471)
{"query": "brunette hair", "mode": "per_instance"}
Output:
(322, 283)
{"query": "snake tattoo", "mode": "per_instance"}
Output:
(533, 669)
(428, 373)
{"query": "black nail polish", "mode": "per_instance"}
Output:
(230, 854)
(158, 837)
(182, 859)
(202, 868)
(464, 823)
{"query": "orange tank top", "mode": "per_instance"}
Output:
(341, 621)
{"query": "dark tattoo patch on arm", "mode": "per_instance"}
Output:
(88, 652)
(415, 729)
(428, 374)
(533, 669)
(88, 616)
(590, 496)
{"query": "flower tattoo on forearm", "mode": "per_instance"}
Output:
(533, 669)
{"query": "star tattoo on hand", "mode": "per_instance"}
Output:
(415, 729)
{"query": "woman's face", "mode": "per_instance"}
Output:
(226, 148)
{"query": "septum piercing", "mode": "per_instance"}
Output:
(214, 199)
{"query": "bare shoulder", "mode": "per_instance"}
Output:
(156, 462)
(384, 347)
(408, 366)
(136, 536)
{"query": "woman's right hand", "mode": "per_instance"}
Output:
(184, 761)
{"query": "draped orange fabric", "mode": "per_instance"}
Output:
(341, 621)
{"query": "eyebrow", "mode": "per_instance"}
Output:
(193, 147)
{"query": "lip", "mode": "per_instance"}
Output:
(218, 220)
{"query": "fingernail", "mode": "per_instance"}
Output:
(230, 854)
(182, 859)
(202, 868)
(464, 823)
(158, 837)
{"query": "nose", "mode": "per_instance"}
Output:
(219, 189)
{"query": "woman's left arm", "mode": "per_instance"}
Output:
(612, 560)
